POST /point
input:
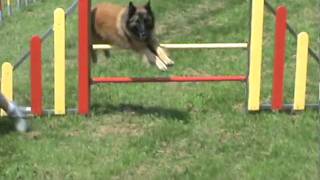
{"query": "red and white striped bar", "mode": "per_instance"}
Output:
(99, 80)
(189, 46)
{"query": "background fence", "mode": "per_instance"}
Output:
(9, 7)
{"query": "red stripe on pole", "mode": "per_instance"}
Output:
(166, 79)
(84, 63)
(36, 76)
(279, 58)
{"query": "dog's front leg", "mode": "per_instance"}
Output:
(152, 58)
(164, 57)
(160, 52)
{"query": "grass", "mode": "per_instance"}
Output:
(167, 131)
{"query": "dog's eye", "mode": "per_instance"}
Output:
(132, 24)
(135, 28)
(148, 21)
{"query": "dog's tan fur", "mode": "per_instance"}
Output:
(110, 28)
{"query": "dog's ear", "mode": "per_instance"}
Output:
(131, 9)
(148, 6)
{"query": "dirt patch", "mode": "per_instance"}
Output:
(238, 107)
(124, 129)
(73, 133)
(33, 135)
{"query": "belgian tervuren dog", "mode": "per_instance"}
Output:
(130, 27)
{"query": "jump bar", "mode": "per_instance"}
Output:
(190, 46)
(99, 80)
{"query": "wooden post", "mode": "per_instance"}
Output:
(279, 58)
(36, 76)
(301, 72)
(59, 62)
(84, 62)
(6, 83)
(256, 42)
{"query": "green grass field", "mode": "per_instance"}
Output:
(165, 131)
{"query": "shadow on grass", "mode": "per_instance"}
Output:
(175, 114)
(6, 126)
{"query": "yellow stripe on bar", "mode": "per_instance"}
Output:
(59, 62)
(8, 2)
(301, 72)
(256, 41)
(7, 83)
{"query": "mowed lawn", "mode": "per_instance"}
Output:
(165, 131)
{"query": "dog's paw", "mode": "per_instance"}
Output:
(164, 57)
(161, 66)
(169, 62)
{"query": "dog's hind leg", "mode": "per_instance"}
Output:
(107, 53)
(94, 56)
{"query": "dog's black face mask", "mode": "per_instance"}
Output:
(140, 21)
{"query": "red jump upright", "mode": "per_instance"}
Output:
(84, 54)
(279, 58)
(36, 76)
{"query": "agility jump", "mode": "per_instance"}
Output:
(252, 79)
(255, 48)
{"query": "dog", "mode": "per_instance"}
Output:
(130, 27)
(14, 112)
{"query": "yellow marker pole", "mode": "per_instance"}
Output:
(59, 62)
(256, 41)
(301, 72)
(7, 83)
(9, 7)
